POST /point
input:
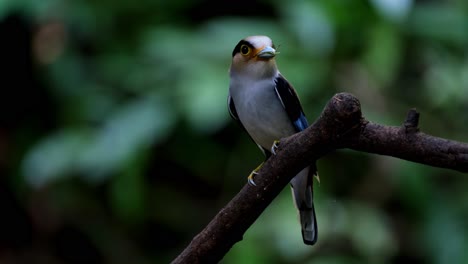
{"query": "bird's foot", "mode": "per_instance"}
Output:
(250, 179)
(275, 146)
(317, 177)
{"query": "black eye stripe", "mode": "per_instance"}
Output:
(238, 46)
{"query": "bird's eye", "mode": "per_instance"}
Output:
(244, 49)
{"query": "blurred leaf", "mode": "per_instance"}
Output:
(54, 157)
(226, 32)
(394, 10)
(337, 259)
(203, 93)
(384, 53)
(439, 22)
(415, 186)
(5, 7)
(364, 221)
(445, 233)
(250, 252)
(128, 192)
(136, 126)
(447, 80)
(311, 27)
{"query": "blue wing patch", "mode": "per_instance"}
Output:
(301, 123)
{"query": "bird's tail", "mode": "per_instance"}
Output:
(303, 198)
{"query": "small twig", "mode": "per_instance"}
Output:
(412, 121)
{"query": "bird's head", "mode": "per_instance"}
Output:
(254, 56)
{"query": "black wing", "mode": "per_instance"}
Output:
(233, 111)
(291, 103)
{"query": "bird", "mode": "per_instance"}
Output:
(267, 107)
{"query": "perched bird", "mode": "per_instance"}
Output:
(266, 105)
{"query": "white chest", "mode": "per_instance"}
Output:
(262, 113)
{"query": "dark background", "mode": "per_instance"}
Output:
(116, 145)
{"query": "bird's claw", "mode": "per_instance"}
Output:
(275, 146)
(250, 179)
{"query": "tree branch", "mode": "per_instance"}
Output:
(341, 125)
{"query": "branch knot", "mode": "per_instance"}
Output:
(412, 121)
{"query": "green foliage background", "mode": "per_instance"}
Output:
(116, 145)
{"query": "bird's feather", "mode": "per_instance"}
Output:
(301, 184)
(232, 110)
(302, 192)
(290, 101)
(233, 113)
